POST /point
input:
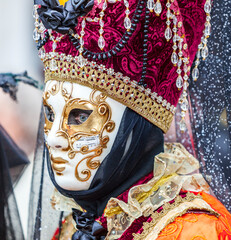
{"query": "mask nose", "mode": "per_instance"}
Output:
(55, 140)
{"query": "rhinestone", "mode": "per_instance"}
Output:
(112, 1)
(118, 75)
(101, 67)
(178, 71)
(158, 7)
(127, 23)
(174, 20)
(179, 24)
(168, 106)
(126, 3)
(101, 23)
(168, 14)
(200, 46)
(164, 103)
(185, 86)
(195, 73)
(105, 5)
(207, 29)
(184, 105)
(36, 35)
(83, 24)
(208, 18)
(127, 12)
(101, 42)
(168, 22)
(204, 52)
(81, 41)
(174, 29)
(53, 65)
(174, 58)
(101, 14)
(179, 62)
(101, 31)
(186, 77)
(207, 7)
(179, 82)
(110, 71)
(159, 99)
(197, 62)
(126, 80)
(168, 33)
(182, 125)
(69, 58)
(41, 53)
(81, 61)
(168, 5)
(174, 47)
(150, 5)
(54, 46)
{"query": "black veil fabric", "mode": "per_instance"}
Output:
(10, 223)
(120, 170)
(210, 98)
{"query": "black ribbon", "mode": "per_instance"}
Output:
(88, 228)
(62, 18)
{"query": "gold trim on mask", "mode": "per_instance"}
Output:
(97, 122)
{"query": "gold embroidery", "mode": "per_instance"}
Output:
(127, 94)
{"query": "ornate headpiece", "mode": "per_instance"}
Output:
(135, 51)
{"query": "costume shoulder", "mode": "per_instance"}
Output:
(197, 224)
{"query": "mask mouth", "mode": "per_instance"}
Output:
(58, 164)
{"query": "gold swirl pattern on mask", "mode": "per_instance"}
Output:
(98, 121)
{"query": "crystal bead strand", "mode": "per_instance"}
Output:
(53, 63)
(36, 34)
(101, 40)
(158, 8)
(174, 57)
(168, 31)
(127, 21)
(179, 80)
(203, 48)
(81, 61)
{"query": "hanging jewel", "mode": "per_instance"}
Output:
(150, 5)
(127, 21)
(101, 40)
(203, 48)
(168, 31)
(81, 61)
(174, 57)
(158, 8)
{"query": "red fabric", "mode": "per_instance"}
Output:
(161, 74)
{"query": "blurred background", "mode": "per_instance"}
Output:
(20, 118)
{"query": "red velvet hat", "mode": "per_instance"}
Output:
(137, 52)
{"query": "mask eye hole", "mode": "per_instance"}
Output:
(49, 113)
(78, 116)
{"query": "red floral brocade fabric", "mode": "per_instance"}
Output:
(161, 74)
(191, 226)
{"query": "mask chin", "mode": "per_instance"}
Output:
(80, 128)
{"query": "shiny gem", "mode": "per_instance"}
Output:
(179, 82)
(168, 33)
(101, 42)
(174, 58)
(158, 8)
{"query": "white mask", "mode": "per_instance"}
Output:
(80, 128)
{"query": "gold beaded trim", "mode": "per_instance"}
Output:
(155, 109)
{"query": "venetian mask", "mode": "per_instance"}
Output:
(80, 127)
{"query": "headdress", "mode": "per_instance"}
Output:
(137, 52)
